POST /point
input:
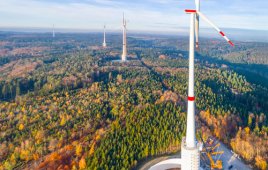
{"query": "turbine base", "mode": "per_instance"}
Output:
(190, 156)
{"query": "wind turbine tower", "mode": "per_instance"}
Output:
(104, 37)
(190, 152)
(53, 33)
(190, 147)
(124, 54)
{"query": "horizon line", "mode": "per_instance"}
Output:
(237, 34)
(101, 29)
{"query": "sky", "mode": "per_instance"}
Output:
(142, 15)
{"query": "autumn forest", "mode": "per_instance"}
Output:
(67, 103)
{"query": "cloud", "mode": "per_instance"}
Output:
(142, 14)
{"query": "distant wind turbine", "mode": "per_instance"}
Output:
(124, 54)
(53, 34)
(104, 37)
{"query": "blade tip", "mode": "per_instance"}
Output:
(197, 45)
(231, 43)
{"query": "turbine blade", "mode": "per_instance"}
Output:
(197, 6)
(215, 27)
(197, 31)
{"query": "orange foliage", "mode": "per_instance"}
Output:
(247, 130)
(97, 137)
(261, 163)
(251, 147)
(69, 147)
(78, 150)
(82, 163)
(25, 155)
(21, 126)
(92, 149)
(222, 126)
(54, 156)
(36, 156)
(63, 121)
(169, 96)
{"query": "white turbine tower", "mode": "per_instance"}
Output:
(104, 37)
(124, 54)
(53, 33)
(190, 150)
(190, 147)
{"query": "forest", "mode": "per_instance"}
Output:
(65, 103)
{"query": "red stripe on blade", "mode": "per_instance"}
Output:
(190, 11)
(222, 33)
(191, 98)
(230, 42)
(197, 45)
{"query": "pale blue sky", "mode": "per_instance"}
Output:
(143, 15)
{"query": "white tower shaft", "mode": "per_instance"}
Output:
(190, 148)
(53, 34)
(124, 54)
(104, 37)
(190, 133)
